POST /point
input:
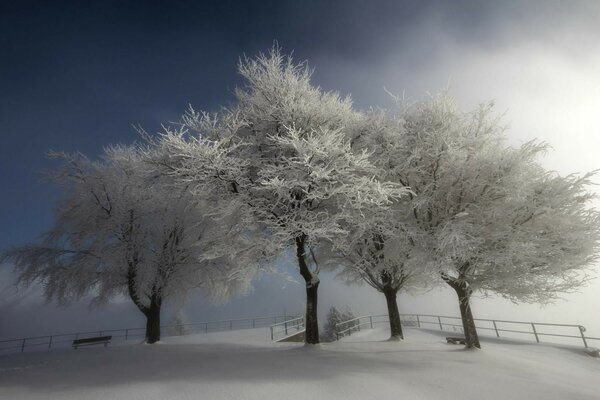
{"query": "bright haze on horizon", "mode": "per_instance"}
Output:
(75, 78)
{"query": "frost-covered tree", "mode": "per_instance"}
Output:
(527, 235)
(124, 229)
(385, 249)
(179, 324)
(283, 152)
(390, 260)
(334, 317)
(495, 220)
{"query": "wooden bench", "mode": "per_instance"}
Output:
(91, 341)
(455, 340)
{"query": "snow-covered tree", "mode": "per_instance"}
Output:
(494, 219)
(385, 249)
(124, 229)
(527, 235)
(178, 325)
(389, 259)
(334, 317)
(284, 154)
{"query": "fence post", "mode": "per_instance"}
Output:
(581, 330)
(418, 321)
(496, 329)
(23, 345)
(371, 320)
(126, 334)
(253, 323)
(537, 339)
(271, 327)
(285, 323)
(50, 343)
(440, 322)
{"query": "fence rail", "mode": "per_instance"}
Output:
(283, 326)
(287, 328)
(65, 340)
(538, 330)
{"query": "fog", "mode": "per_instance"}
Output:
(540, 63)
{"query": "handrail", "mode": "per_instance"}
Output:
(418, 322)
(124, 334)
(295, 325)
(358, 318)
(286, 322)
(357, 325)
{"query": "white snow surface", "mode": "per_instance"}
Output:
(246, 365)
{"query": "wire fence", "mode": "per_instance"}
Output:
(538, 331)
(65, 340)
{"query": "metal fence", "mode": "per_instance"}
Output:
(64, 340)
(551, 333)
(283, 326)
(287, 328)
(350, 326)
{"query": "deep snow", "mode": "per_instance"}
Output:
(246, 365)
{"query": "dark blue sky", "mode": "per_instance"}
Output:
(76, 75)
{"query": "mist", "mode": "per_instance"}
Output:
(538, 62)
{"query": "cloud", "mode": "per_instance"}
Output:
(538, 59)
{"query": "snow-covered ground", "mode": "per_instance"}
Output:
(246, 365)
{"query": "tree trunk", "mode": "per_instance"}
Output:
(153, 321)
(151, 312)
(471, 336)
(312, 285)
(312, 322)
(394, 315)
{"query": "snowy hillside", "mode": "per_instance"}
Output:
(246, 365)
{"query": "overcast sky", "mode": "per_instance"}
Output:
(75, 77)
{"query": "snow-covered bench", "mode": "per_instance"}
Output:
(455, 340)
(91, 341)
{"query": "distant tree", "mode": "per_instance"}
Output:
(123, 229)
(334, 317)
(284, 154)
(178, 325)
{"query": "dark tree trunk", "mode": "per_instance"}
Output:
(393, 313)
(151, 312)
(312, 285)
(153, 321)
(312, 323)
(471, 336)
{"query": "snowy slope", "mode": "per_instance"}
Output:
(246, 365)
